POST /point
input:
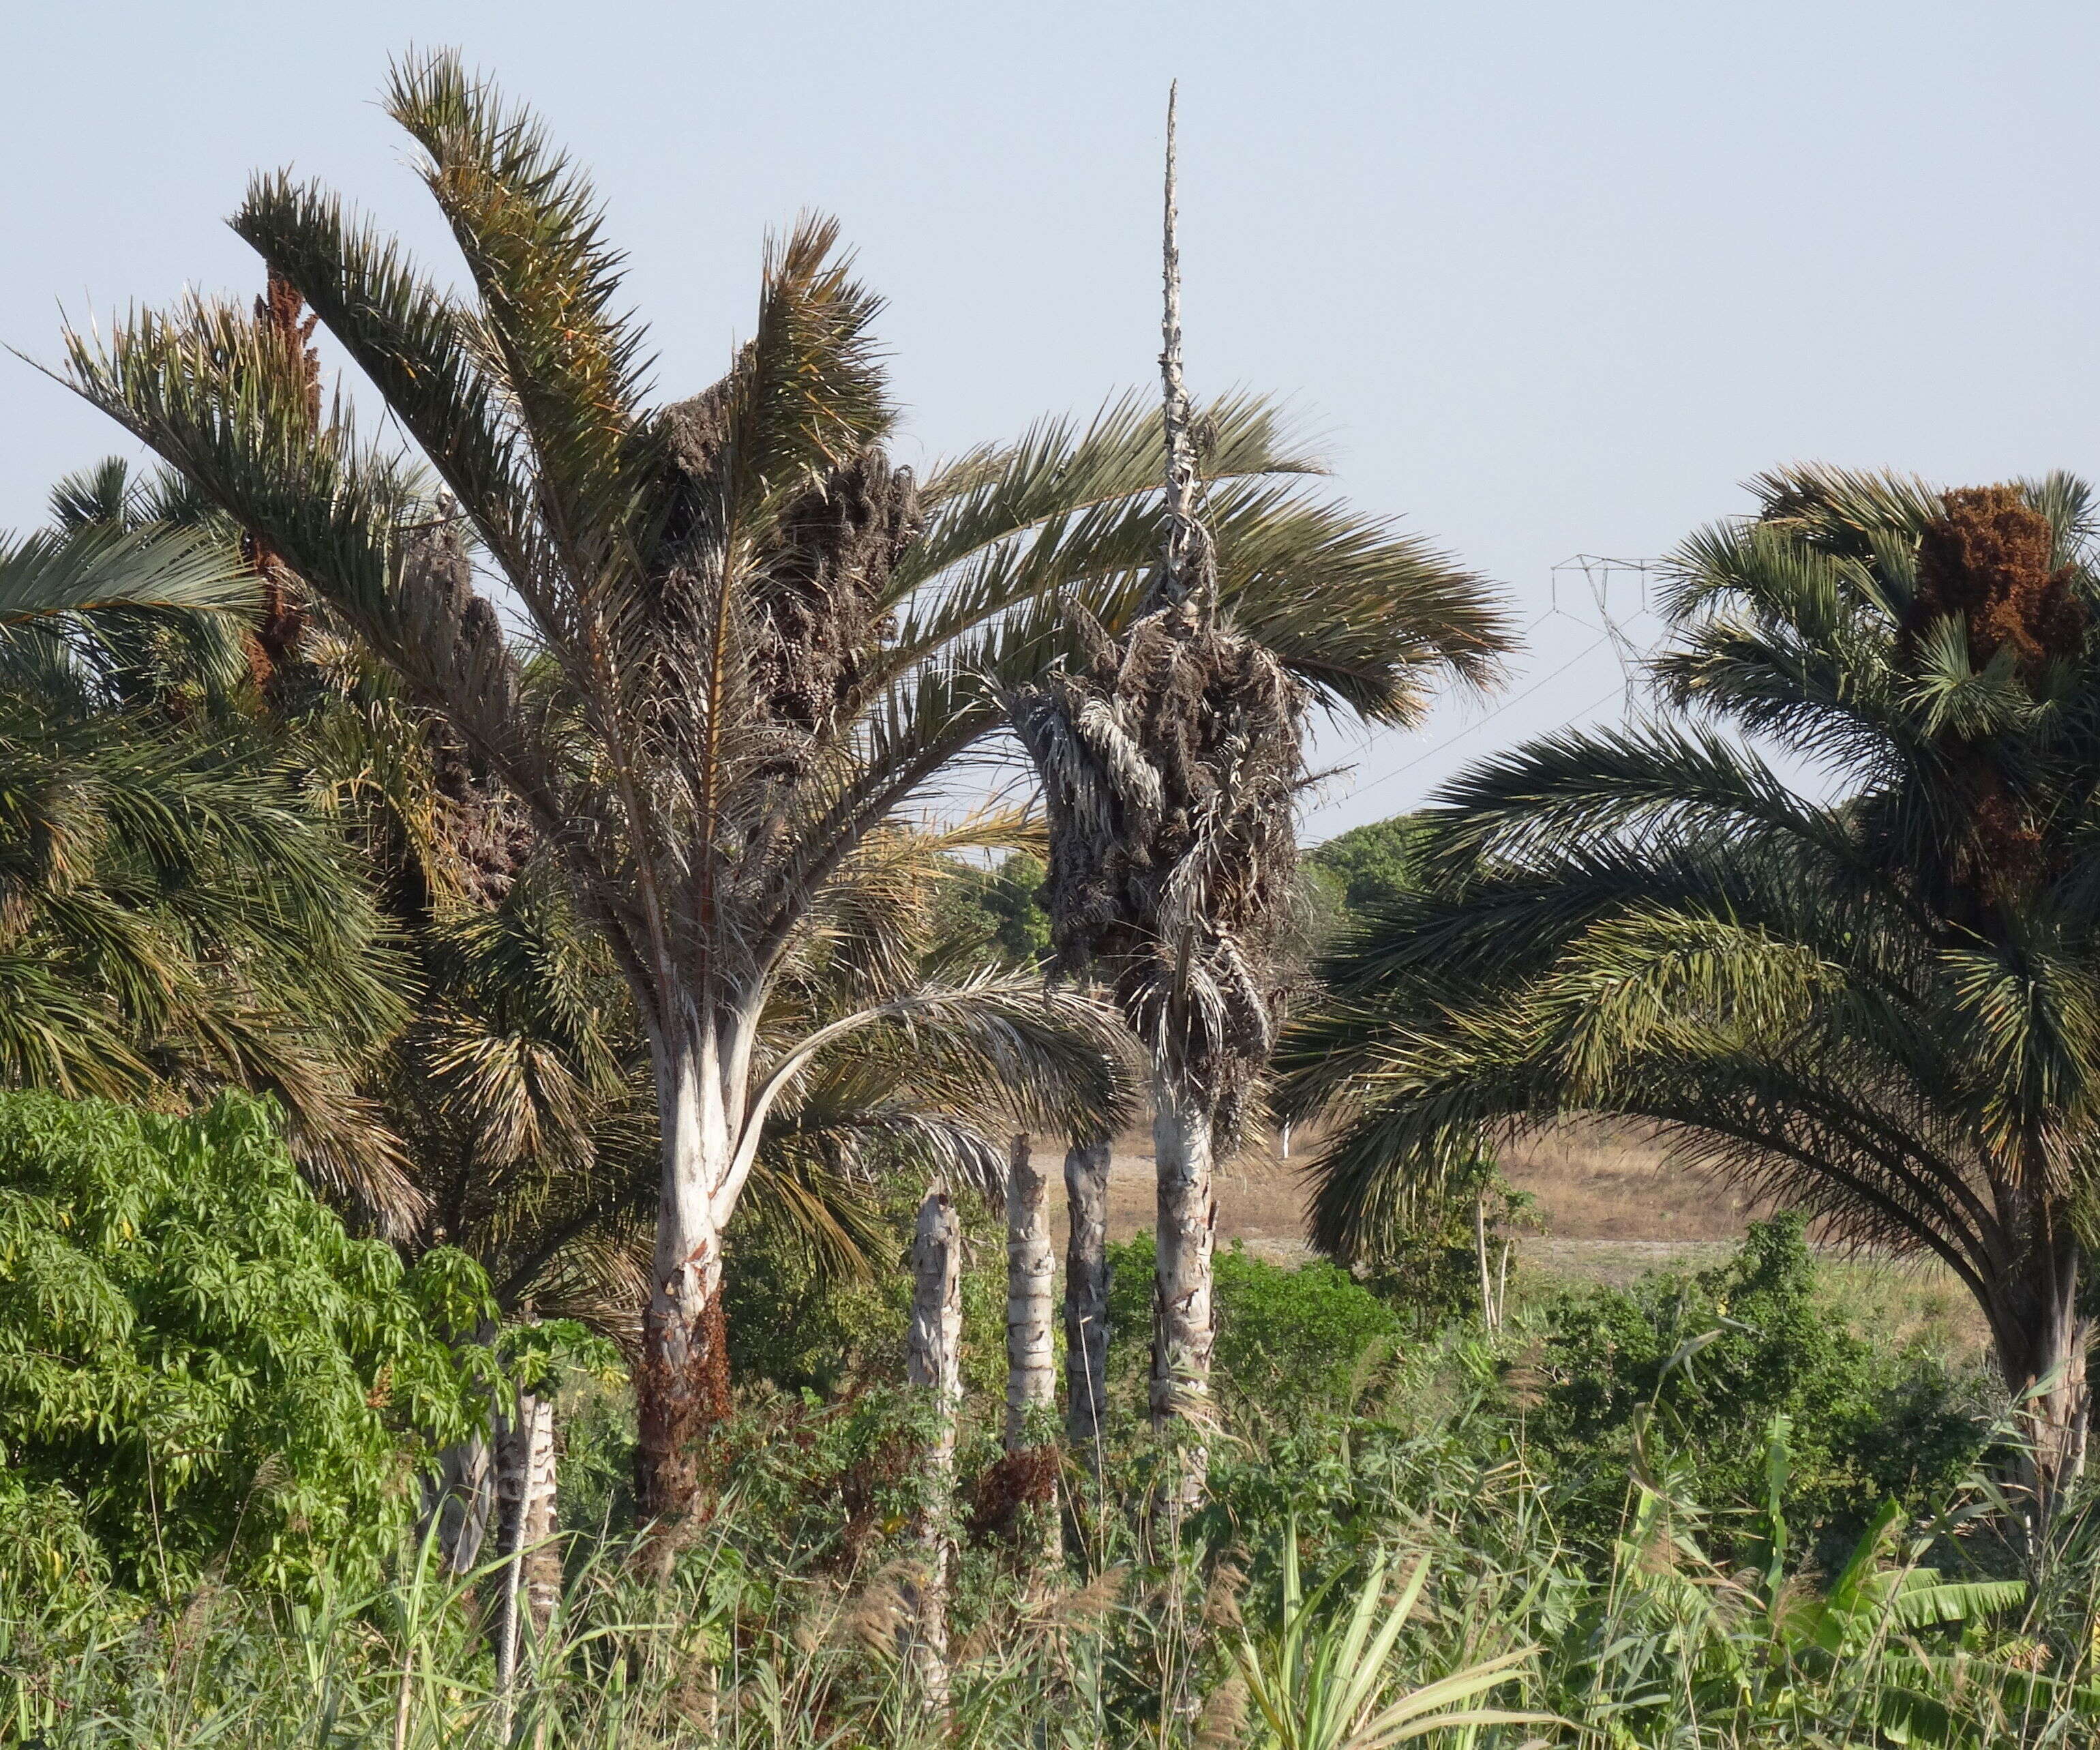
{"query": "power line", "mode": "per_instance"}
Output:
(1508, 704)
(1597, 574)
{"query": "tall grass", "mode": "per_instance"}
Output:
(783, 1621)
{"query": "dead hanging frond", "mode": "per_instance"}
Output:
(811, 604)
(1170, 761)
(1171, 768)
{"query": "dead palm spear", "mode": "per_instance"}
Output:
(745, 641)
(1171, 761)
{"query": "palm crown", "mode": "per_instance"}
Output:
(742, 640)
(1877, 1007)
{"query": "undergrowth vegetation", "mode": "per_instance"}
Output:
(1701, 1511)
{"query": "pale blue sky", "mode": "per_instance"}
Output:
(1547, 278)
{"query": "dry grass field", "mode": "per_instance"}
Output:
(1596, 1185)
(1606, 1208)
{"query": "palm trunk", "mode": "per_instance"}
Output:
(1086, 1296)
(2042, 1339)
(933, 1360)
(682, 1386)
(541, 1558)
(460, 1499)
(1031, 1365)
(525, 1496)
(1185, 1324)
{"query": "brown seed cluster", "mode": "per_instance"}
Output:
(1987, 562)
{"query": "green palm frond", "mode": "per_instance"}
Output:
(109, 565)
(531, 230)
(1875, 1005)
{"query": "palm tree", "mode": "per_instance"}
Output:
(744, 640)
(172, 917)
(1878, 1006)
(66, 573)
(1172, 760)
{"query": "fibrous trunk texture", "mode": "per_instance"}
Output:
(461, 1498)
(2042, 1337)
(934, 1362)
(525, 1492)
(1031, 1362)
(1086, 1296)
(682, 1386)
(1031, 1367)
(1184, 1325)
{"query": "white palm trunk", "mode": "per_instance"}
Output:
(1031, 1362)
(1031, 1367)
(525, 1493)
(682, 1386)
(461, 1498)
(1184, 1324)
(1086, 1296)
(539, 1557)
(933, 1361)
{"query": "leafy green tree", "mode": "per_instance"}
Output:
(1359, 871)
(200, 1370)
(1699, 1364)
(997, 913)
(1877, 1007)
(747, 641)
(1292, 1339)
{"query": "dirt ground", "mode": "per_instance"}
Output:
(1593, 1185)
(1606, 1208)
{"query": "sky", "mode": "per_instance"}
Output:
(1543, 280)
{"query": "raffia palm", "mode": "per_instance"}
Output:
(745, 639)
(1878, 1007)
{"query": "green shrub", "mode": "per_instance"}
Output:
(200, 1371)
(798, 1323)
(995, 913)
(1290, 1337)
(1719, 1354)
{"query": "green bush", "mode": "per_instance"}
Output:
(1288, 1337)
(996, 913)
(200, 1371)
(1717, 1354)
(798, 1323)
(1358, 872)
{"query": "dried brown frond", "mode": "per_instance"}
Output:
(1011, 1490)
(1171, 767)
(813, 613)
